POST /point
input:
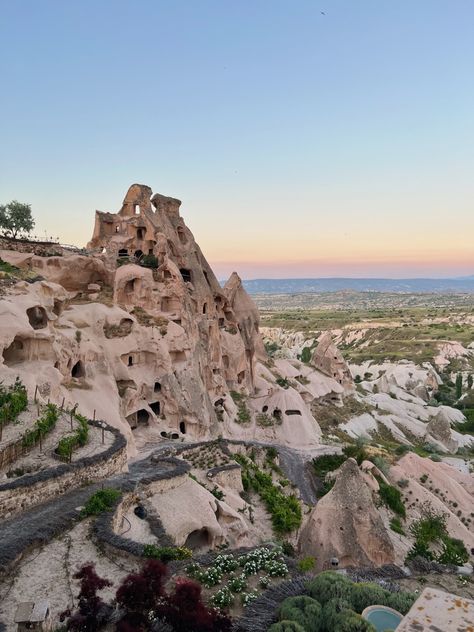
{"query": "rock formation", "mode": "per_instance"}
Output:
(138, 329)
(346, 524)
(328, 359)
(155, 346)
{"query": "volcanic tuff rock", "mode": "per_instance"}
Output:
(346, 524)
(138, 329)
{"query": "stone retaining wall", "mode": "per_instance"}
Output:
(26, 491)
(11, 452)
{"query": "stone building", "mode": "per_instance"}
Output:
(33, 615)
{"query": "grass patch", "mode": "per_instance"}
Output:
(243, 413)
(285, 511)
(100, 501)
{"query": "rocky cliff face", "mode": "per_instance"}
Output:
(150, 349)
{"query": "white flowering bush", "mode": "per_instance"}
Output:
(238, 584)
(276, 569)
(269, 560)
(264, 581)
(248, 597)
(223, 598)
(209, 577)
(226, 563)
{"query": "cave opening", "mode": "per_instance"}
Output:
(198, 539)
(143, 417)
(37, 317)
(156, 408)
(77, 370)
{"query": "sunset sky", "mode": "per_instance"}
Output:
(302, 144)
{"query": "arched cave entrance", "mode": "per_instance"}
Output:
(140, 233)
(186, 274)
(130, 361)
(14, 353)
(129, 286)
(157, 387)
(204, 308)
(277, 414)
(143, 417)
(78, 370)
(198, 539)
(182, 427)
(37, 317)
(156, 408)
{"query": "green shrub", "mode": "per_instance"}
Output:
(396, 525)
(43, 425)
(431, 529)
(367, 594)
(453, 552)
(352, 622)
(306, 355)
(13, 401)
(392, 497)
(243, 413)
(401, 601)
(304, 610)
(402, 449)
(286, 626)
(287, 548)
(67, 445)
(329, 585)
(100, 501)
(331, 611)
(356, 451)
(306, 564)
(323, 465)
(149, 261)
(285, 510)
(166, 553)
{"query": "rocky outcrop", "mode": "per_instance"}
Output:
(137, 329)
(439, 429)
(346, 524)
(328, 359)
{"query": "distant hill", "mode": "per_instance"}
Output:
(297, 286)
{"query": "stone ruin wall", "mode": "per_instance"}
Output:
(20, 494)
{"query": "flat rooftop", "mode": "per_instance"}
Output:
(438, 611)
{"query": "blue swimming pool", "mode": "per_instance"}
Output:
(382, 618)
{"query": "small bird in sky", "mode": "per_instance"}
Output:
(323, 12)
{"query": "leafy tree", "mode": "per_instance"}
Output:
(286, 626)
(470, 380)
(458, 385)
(304, 610)
(306, 355)
(185, 611)
(93, 613)
(16, 218)
(140, 592)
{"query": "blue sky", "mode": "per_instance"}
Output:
(301, 144)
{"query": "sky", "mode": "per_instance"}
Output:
(306, 138)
